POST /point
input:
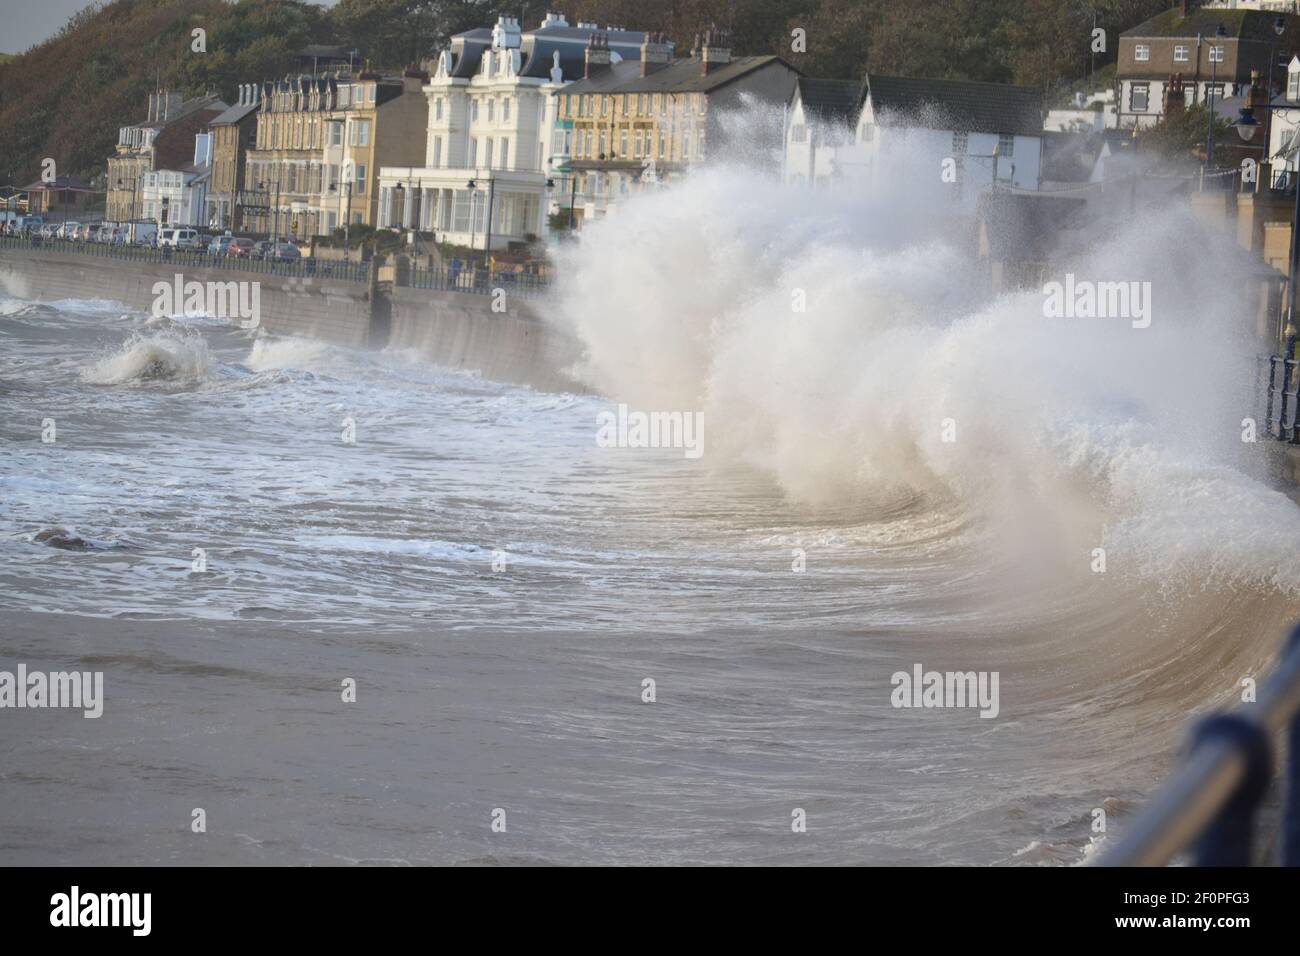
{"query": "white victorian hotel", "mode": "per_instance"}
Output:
(492, 140)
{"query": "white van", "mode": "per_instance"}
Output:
(179, 238)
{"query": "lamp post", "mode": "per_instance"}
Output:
(1219, 34)
(487, 233)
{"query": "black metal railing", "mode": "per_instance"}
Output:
(1211, 803)
(1283, 389)
(452, 277)
(478, 280)
(306, 267)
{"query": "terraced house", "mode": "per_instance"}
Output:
(319, 142)
(1183, 46)
(647, 120)
(232, 135)
(164, 140)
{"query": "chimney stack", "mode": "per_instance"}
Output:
(656, 53)
(597, 58)
(716, 50)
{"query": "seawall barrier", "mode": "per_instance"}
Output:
(453, 329)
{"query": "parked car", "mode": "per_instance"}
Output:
(239, 249)
(285, 252)
(47, 230)
(68, 230)
(263, 249)
(219, 245)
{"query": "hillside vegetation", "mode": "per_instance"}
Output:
(66, 97)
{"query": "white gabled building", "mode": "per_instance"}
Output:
(926, 135)
(491, 124)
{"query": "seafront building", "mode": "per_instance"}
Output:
(959, 137)
(164, 140)
(179, 196)
(629, 125)
(491, 141)
(318, 145)
(1182, 45)
(233, 132)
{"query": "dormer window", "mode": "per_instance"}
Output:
(1141, 52)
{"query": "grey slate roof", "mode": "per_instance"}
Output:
(682, 76)
(957, 104)
(830, 100)
(234, 114)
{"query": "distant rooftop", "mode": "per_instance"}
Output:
(685, 75)
(959, 104)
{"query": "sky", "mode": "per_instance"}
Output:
(24, 23)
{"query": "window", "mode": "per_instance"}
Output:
(1293, 86)
(437, 151)
(959, 143)
(505, 111)
(1180, 54)
(505, 153)
(622, 143)
(491, 110)
(603, 144)
(473, 111)
(360, 187)
(487, 153)
(437, 108)
(1006, 145)
(1216, 54)
(370, 93)
(1137, 97)
(1141, 52)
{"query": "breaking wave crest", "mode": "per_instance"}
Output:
(170, 356)
(852, 365)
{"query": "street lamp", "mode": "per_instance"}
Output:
(487, 241)
(1219, 34)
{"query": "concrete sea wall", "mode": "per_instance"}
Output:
(452, 329)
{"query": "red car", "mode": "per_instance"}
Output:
(240, 249)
